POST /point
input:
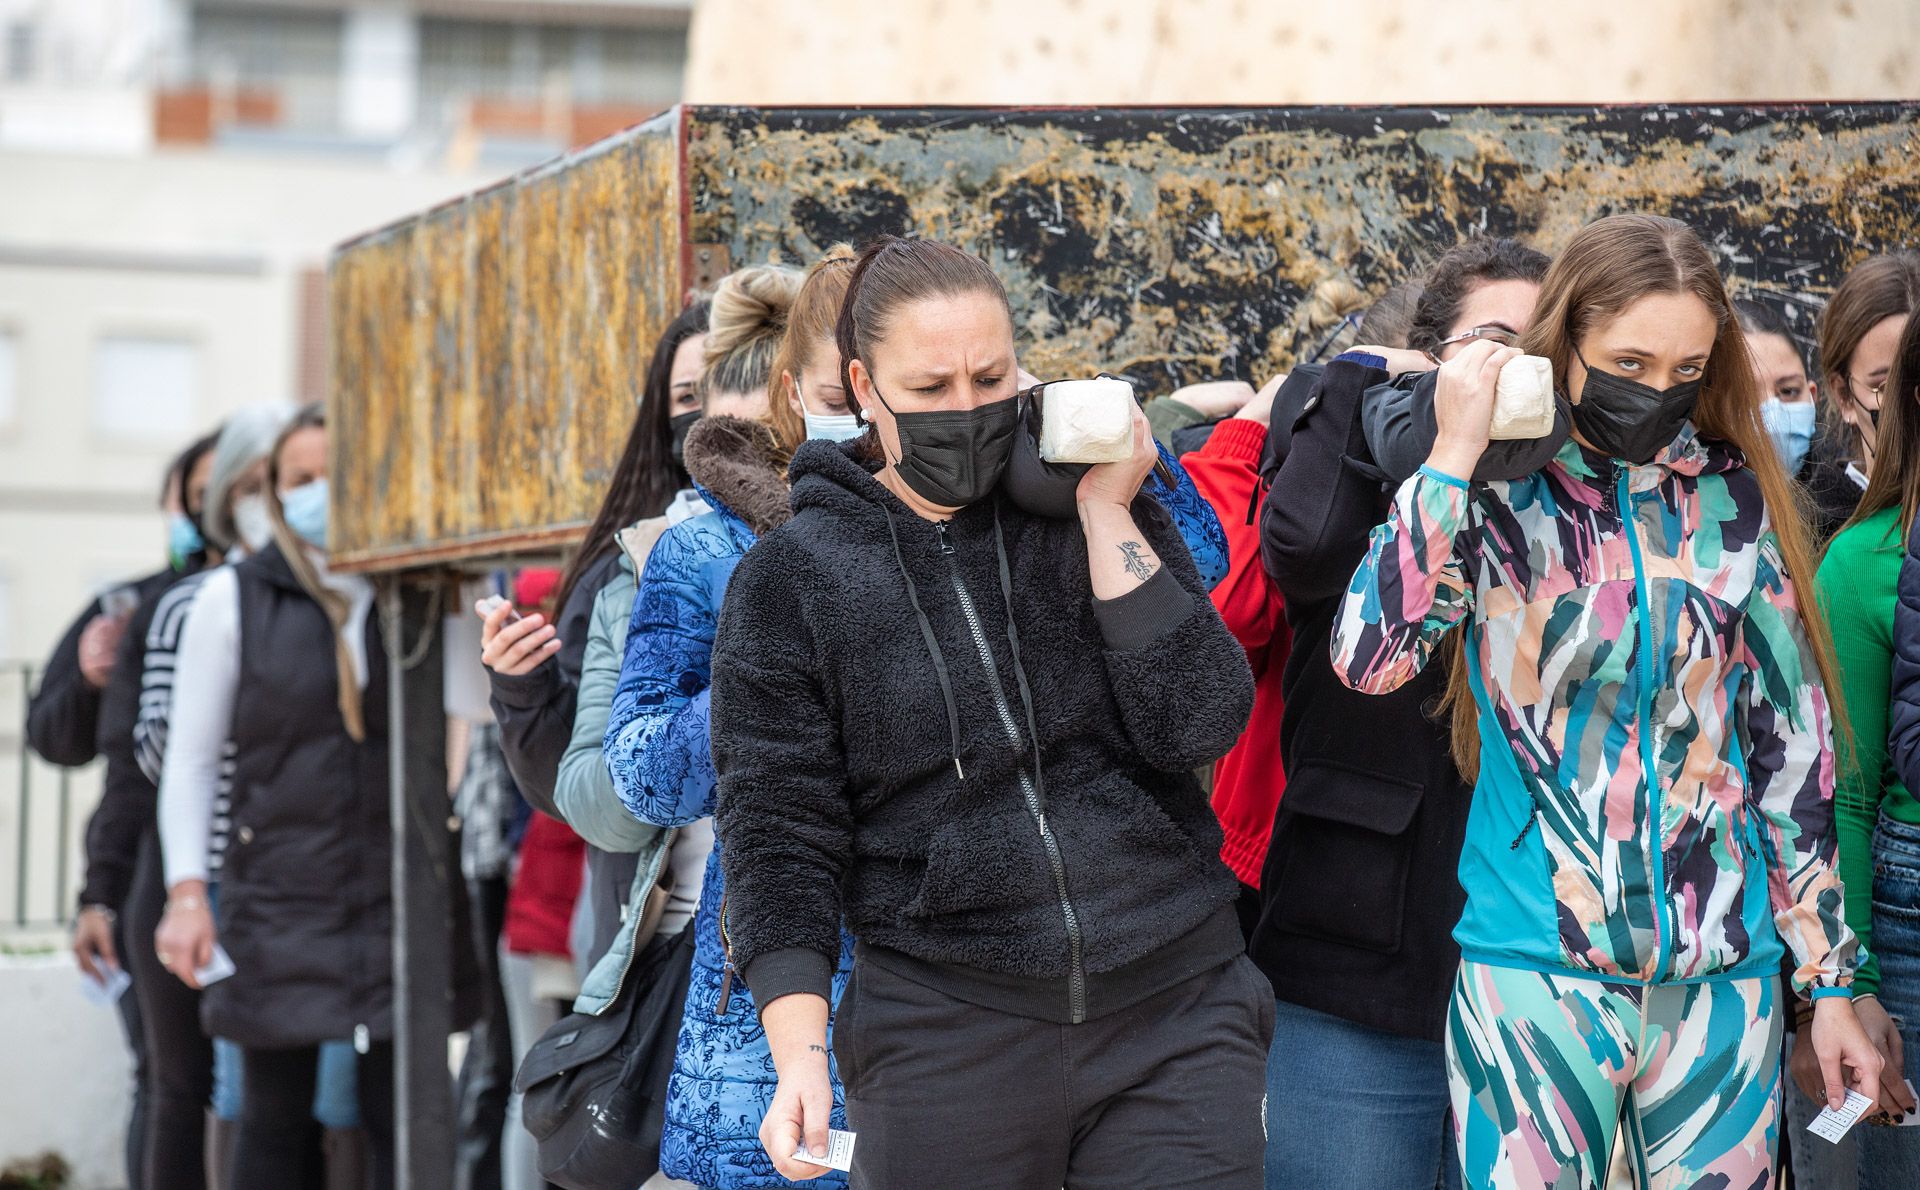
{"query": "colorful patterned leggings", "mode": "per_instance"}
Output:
(1545, 1069)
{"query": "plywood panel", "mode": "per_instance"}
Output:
(1179, 244)
(1218, 52)
(488, 355)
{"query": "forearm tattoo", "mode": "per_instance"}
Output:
(1138, 564)
(816, 1049)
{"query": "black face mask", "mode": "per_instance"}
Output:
(680, 423)
(954, 457)
(1628, 420)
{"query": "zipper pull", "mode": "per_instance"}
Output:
(362, 1039)
(940, 530)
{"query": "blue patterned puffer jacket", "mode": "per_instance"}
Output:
(658, 752)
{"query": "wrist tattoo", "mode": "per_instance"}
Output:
(1137, 564)
(816, 1049)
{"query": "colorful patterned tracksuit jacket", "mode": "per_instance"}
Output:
(1654, 805)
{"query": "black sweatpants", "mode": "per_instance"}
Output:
(1167, 1093)
(279, 1141)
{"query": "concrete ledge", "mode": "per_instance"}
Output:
(66, 1079)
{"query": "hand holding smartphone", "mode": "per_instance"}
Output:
(514, 644)
(493, 603)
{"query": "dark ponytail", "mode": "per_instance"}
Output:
(1459, 271)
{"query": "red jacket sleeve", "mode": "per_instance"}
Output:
(1226, 473)
(1248, 782)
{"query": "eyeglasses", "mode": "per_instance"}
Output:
(1494, 334)
(1876, 389)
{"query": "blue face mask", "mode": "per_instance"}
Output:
(1790, 425)
(305, 510)
(183, 539)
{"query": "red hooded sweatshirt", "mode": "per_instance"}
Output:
(1247, 781)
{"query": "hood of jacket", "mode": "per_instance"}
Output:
(736, 464)
(828, 476)
(1691, 454)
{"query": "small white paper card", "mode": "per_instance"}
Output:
(1912, 1119)
(108, 991)
(839, 1152)
(217, 968)
(1831, 1125)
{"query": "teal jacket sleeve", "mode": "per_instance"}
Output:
(583, 790)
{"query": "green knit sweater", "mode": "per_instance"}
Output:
(1858, 583)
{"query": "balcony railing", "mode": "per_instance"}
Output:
(43, 812)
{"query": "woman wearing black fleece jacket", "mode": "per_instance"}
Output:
(1048, 985)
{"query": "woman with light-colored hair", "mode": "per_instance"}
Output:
(189, 1067)
(284, 658)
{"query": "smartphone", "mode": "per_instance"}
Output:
(492, 603)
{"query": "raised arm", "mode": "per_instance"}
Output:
(1194, 517)
(1326, 494)
(1180, 678)
(1410, 590)
(63, 717)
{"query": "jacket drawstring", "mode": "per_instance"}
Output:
(1019, 670)
(933, 646)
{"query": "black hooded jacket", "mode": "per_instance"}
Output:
(1359, 894)
(872, 711)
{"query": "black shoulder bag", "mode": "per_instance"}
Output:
(594, 1088)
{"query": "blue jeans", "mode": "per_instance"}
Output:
(336, 1100)
(1890, 1157)
(1349, 1106)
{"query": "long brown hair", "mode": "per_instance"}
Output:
(1896, 468)
(811, 319)
(1607, 266)
(1878, 288)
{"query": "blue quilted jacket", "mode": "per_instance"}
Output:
(658, 752)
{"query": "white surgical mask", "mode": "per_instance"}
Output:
(253, 522)
(834, 427)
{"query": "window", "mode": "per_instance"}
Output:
(145, 386)
(285, 65)
(461, 59)
(9, 376)
(20, 46)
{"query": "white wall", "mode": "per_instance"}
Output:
(208, 246)
(68, 1078)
